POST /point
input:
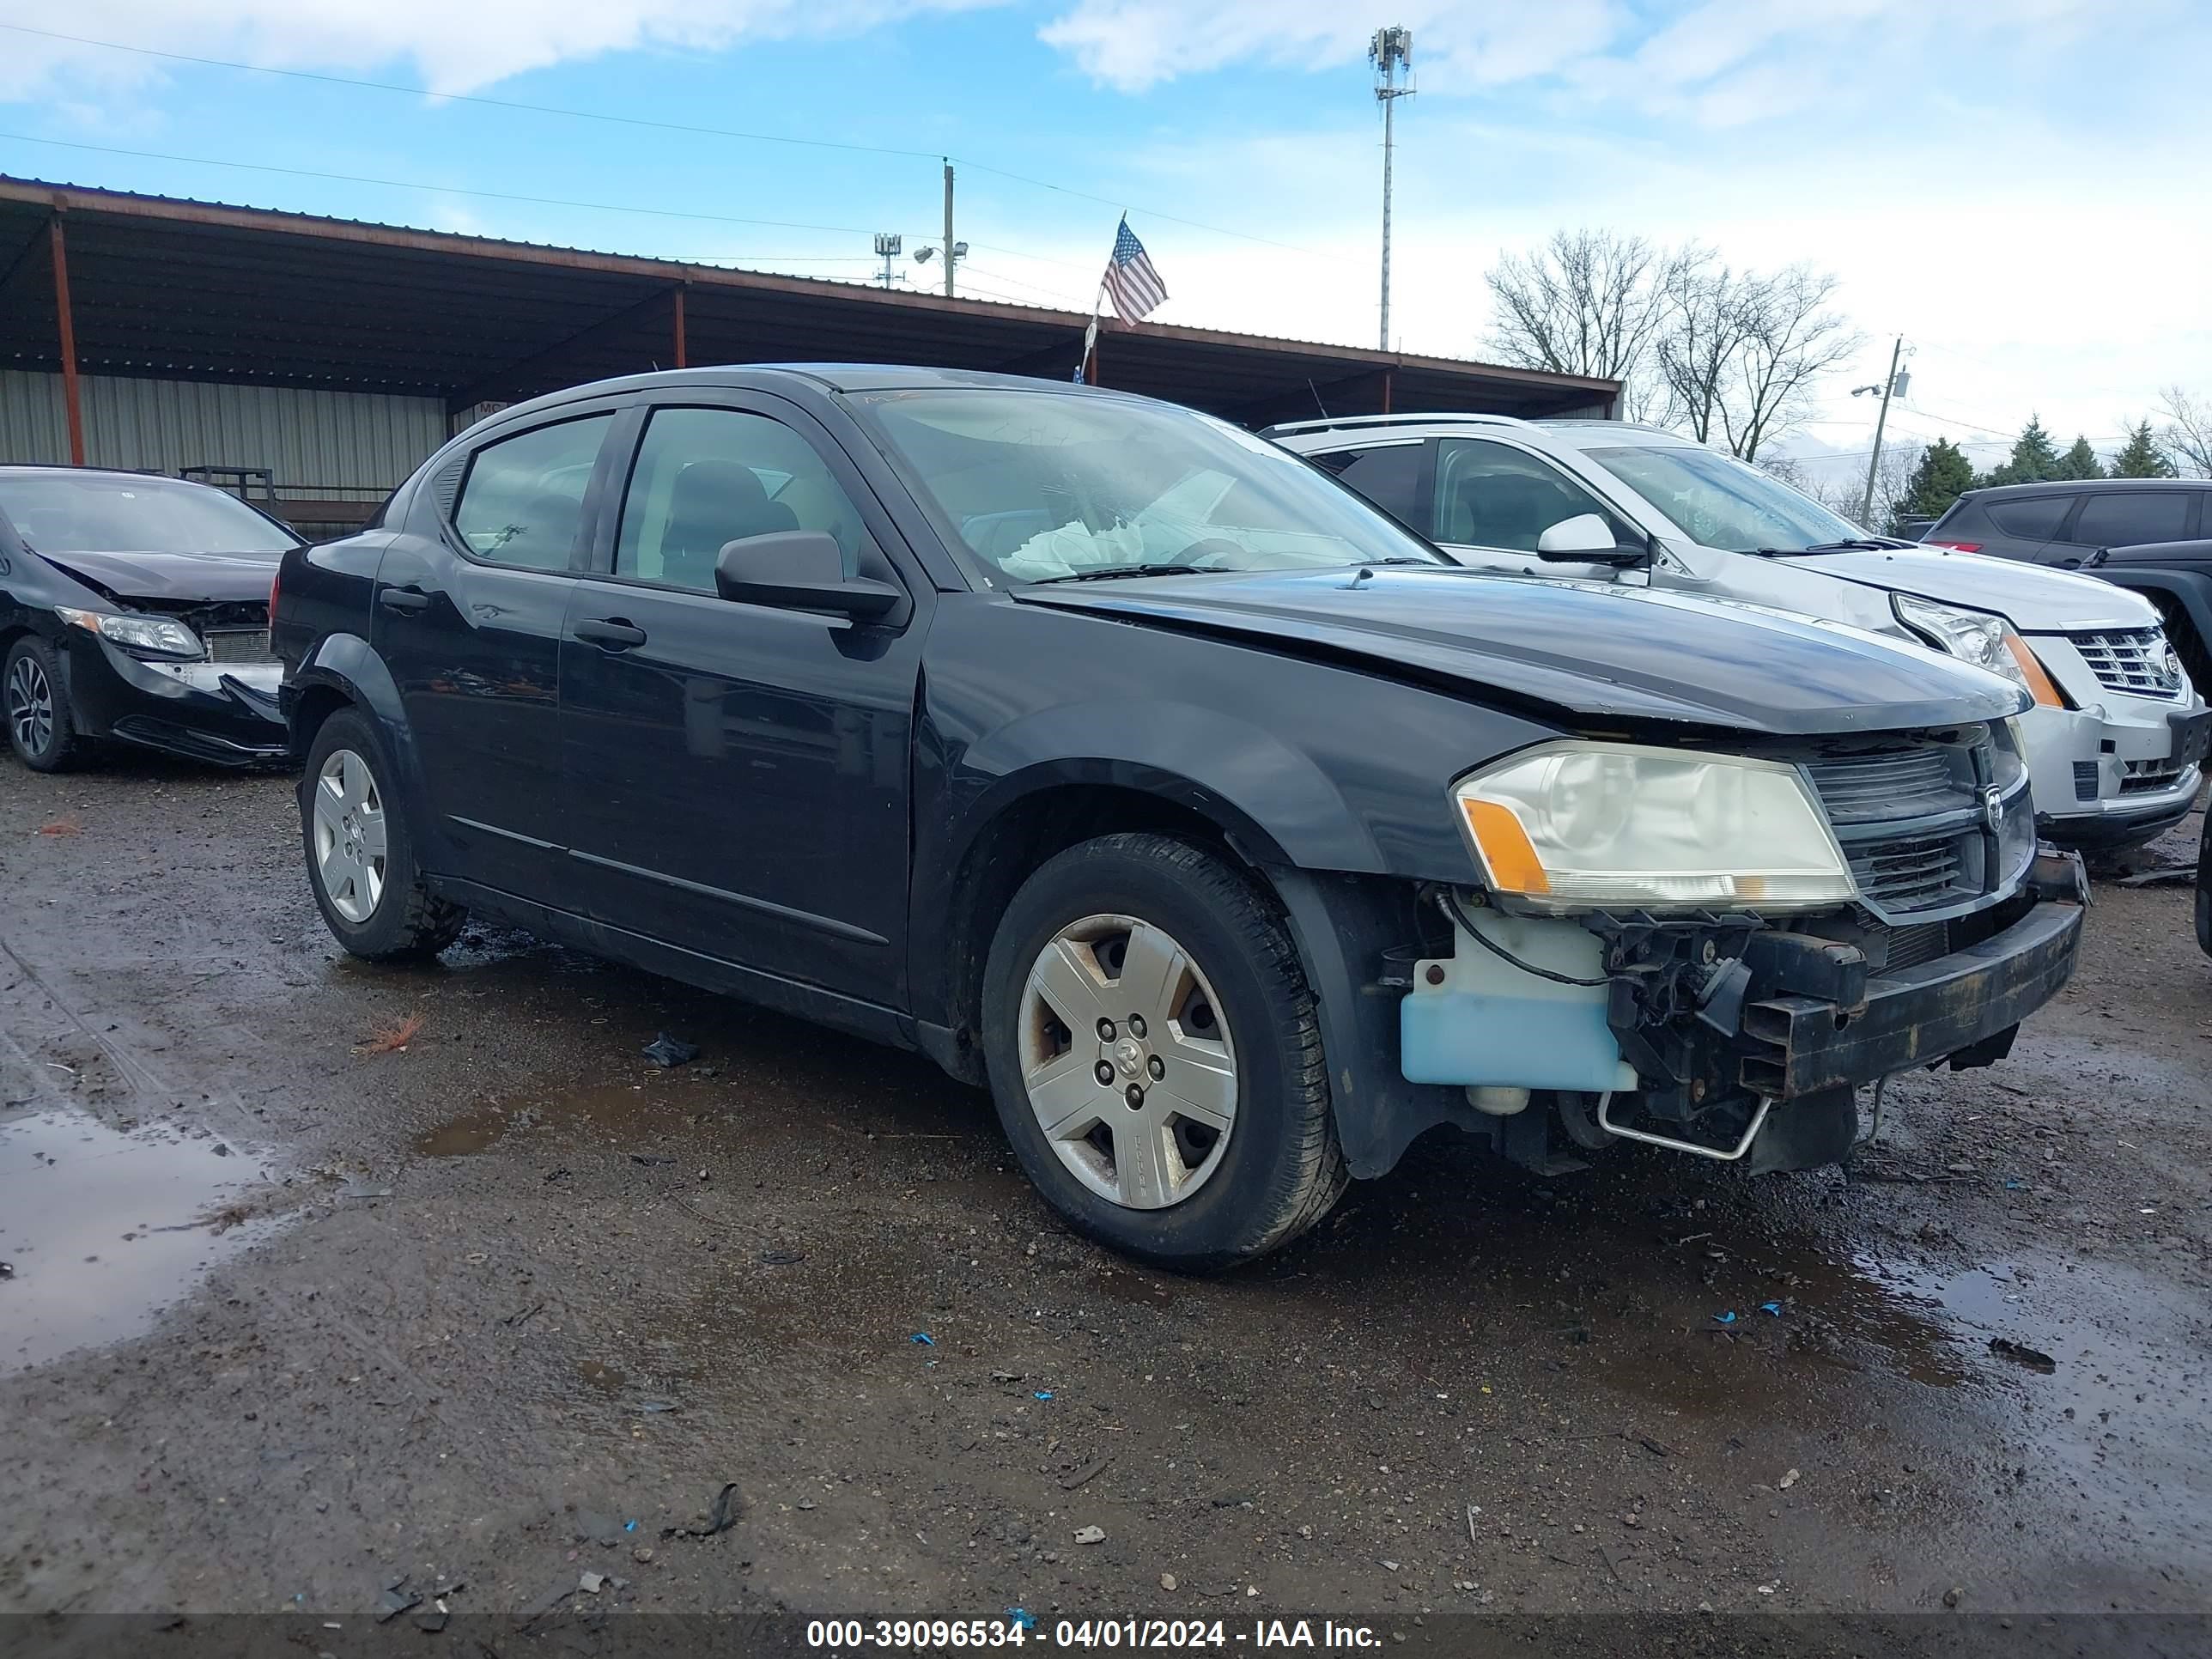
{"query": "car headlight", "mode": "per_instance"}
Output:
(1582, 826)
(159, 636)
(1978, 637)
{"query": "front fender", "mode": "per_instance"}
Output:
(348, 665)
(1231, 770)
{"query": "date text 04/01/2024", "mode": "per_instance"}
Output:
(1021, 1629)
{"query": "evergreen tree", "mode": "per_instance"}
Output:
(2080, 462)
(2142, 457)
(1943, 474)
(2033, 457)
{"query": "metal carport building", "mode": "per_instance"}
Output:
(328, 356)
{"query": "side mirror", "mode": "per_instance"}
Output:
(799, 570)
(1586, 539)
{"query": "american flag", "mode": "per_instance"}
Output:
(1131, 282)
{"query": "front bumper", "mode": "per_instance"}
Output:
(223, 713)
(1796, 1045)
(2117, 769)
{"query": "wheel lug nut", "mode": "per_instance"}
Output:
(1136, 1094)
(1106, 1032)
(1136, 1026)
(1157, 1067)
(1105, 1073)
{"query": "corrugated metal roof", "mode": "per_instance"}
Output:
(185, 289)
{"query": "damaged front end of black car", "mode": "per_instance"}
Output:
(135, 610)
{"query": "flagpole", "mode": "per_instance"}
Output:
(1083, 369)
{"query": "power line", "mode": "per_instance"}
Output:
(435, 190)
(515, 103)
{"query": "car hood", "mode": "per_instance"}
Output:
(1600, 652)
(213, 578)
(2034, 598)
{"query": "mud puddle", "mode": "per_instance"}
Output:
(101, 1230)
(626, 1107)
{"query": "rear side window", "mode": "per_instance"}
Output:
(523, 503)
(2033, 517)
(1388, 474)
(1491, 495)
(2124, 519)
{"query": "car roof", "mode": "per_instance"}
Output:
(1573, 434)
(830, 377)
(2075, 486)
(29, 468)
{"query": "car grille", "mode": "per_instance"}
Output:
(1910, 875)
(2133, 662)
(1916, 943)
(1909, 817)
(2143, 776)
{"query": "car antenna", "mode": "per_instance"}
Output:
(1318, 405)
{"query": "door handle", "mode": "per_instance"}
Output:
(610, 634)
(402, 598)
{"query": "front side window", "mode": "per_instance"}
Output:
(1494, 496)
(2130, 518)
(523, 501)
(1043, 486)
(1719, 501)
(91, 512)
(705, 476)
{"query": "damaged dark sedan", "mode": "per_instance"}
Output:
(1124, 763)
(134, 609)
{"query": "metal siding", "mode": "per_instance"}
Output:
(336, 441)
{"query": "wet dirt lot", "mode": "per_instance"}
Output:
(320, 1275)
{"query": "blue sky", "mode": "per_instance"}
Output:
(2017, 187)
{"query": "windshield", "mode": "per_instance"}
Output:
(1043, 486)
(59, 513)
(1719, 501)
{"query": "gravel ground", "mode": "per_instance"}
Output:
(323, 1274)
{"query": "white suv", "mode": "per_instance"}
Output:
(2117, 733)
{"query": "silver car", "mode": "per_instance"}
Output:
(2117, 733)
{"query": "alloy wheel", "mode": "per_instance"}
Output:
(30, 705)
(349, 835)
(1127, 1061)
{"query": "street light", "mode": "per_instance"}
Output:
(923, 255)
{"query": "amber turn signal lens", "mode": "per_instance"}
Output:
(1512, 861)
(2038, 683)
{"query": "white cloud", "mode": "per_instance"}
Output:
(452, 47)
(1458, 43)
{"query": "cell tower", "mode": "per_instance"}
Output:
(1391, 51)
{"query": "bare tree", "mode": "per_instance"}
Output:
(1790, 339)
(1841, 491)
(2187, 434)
(1588, 302)
(1707, 313)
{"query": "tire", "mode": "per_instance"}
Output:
(382, 909)
(34, 700)
(1163, 1180)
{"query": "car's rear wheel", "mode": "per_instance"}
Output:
(1155, 1053)
(41, 728)
(361, 856)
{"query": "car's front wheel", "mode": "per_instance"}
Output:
(1155, 1053)
(360, 855)
(41, 728)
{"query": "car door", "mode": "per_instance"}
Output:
(470, 602)
(2128, 517)
(738, 774)
(1491, 502)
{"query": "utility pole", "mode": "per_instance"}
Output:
(954, 252)
(1893, 383)
(1390, 50)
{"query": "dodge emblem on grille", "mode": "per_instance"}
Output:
(1993, 809)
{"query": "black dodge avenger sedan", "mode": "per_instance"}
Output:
(134, 609)
(1121, 761)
